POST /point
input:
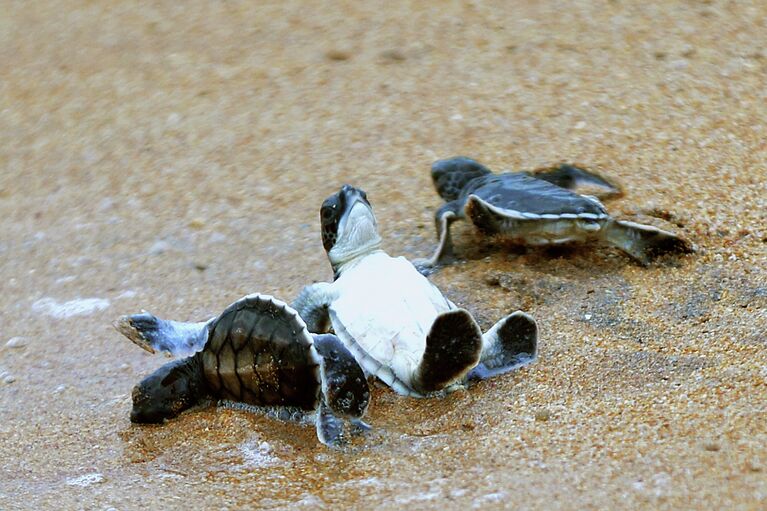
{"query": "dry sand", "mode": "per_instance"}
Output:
(173, 156)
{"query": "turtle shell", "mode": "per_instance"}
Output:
(521, 195)
(260, 352)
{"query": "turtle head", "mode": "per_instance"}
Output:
(349, 227)
(451, 176)
(167, 392)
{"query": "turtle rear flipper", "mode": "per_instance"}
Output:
(576, 178)
(511, 343)
(154, 334)
(643, 242)
(171, 389)
(453, 348)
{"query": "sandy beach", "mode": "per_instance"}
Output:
(172, 156)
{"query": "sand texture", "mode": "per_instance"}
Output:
(172, 156)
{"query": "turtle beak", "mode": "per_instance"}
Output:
(353, 198)
(350, 228)
(353, 195)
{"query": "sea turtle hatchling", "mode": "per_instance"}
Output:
(258, 352)
(396, 323)
(537, 209)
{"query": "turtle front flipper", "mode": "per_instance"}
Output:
(511, 343)
(577, 178)
(312, 305)
(345, 391)
(173, 388)
(453, 348)
(330, 429)
(154, 334)
(643, 242)
(445, 216)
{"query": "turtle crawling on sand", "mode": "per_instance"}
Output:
(396, 323)
(259, 352)
(538, 209)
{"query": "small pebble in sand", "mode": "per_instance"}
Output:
(159, 247)
(85, 480)
(542, 415)
(197, 223)
(712, 446)
(59, 389)
(8, 378)
(106, 203)
(16, 342)
(173, 119)
(338, 55)
(393, 55)
(216, 237)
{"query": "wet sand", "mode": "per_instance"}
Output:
(174, 157)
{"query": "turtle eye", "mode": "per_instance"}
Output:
(327, 212)
(329, 209)
(330, 213)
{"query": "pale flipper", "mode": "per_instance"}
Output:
(312, 305)
(153, 334)
(450, 176)
(643, 242)
(453, 348)
(445, 216)
(330, 429)
(511, 343)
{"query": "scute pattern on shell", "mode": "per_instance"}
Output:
(259, 354)
(525, 194)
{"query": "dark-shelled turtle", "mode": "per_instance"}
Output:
(259, 352)
(538, 209)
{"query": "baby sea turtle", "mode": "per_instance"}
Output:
(259, 352)
(395, 322)
(538, 209)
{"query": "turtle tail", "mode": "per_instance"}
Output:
(643, 242)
